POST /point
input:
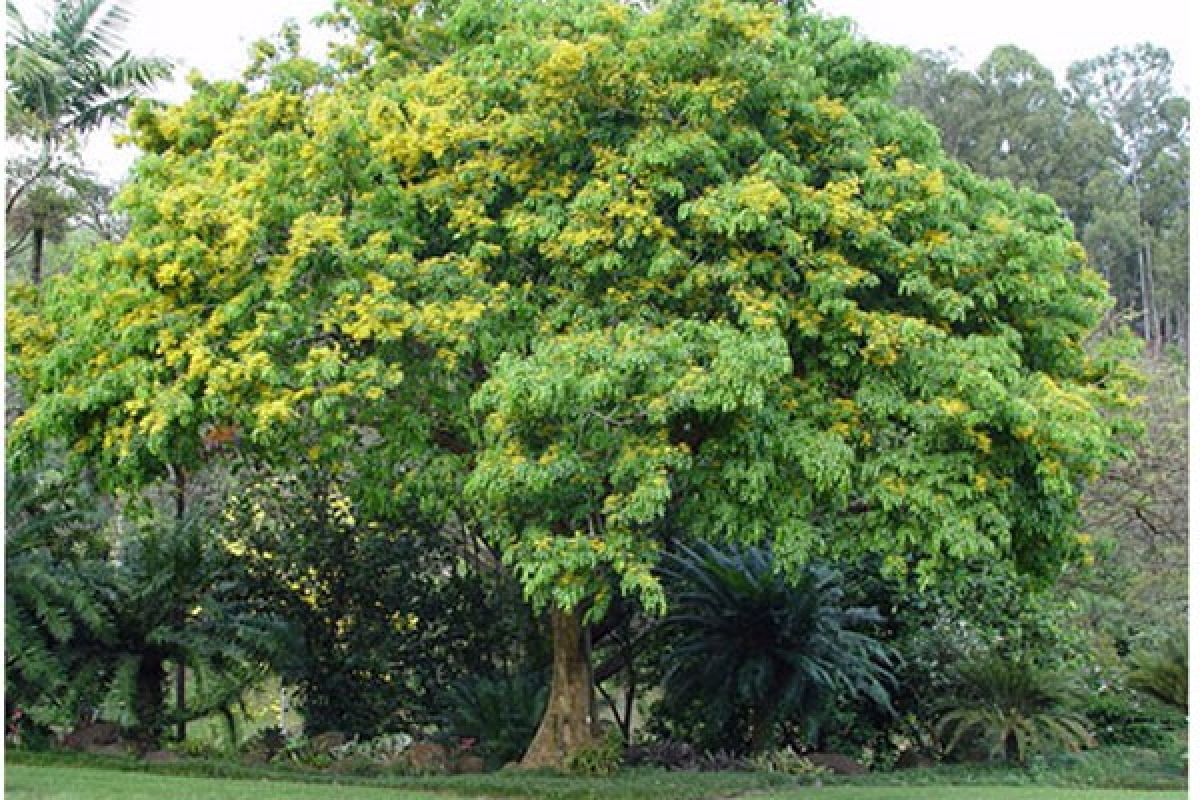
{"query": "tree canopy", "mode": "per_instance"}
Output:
(596, 279)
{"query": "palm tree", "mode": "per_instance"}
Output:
(753, 648)
(63, 82)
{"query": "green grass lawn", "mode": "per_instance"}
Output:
(23, 782)
(960, 793)
(72, 783)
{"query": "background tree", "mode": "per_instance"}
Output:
(1135, 596)
(63, 82)
(1111, 147)
(1131, 90)
(581, 274)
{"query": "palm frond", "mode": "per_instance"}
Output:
(750, 646)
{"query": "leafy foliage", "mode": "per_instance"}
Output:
(751, 647)
(599, 759)
(388, 610)
(501, 713)
(1163, 673)
(571, 275)
(1014, 709)
(1120, 715)
(54, 597)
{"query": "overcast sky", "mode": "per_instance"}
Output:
(213, 35)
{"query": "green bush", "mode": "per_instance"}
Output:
(1124, 717)
(788, 762)
(1012, 709)
(602, 758)
(387, 607)
(1163, 672)
(265, 745)
(501, 713)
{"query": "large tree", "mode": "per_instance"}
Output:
(588, 278)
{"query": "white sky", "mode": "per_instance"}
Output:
(213, 36)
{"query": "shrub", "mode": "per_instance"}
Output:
(383, 749)
(1012, 709)
(377, 642)
(722, 761)
(1122, 716)
(265, 745)
(1163, 673)
(502, 713)
(664, 754)
(787, 761)
(604, 757)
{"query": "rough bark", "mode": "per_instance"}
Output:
(568, 723)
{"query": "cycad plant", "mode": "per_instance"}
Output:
(176, 600)
(1163, 672)
(87, 626)
(55, 596)
(502, 713)
(750, 647)
(1012, 708)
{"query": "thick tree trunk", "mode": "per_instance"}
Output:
(568, 724)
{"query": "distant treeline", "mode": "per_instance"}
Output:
(1111, 147)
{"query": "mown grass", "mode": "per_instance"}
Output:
(1109, 774)
(641, 784)
(962, 793)
(79, 783)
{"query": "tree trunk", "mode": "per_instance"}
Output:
(35, 265)
(1151, 303)
(568, 724)
(148, 700)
